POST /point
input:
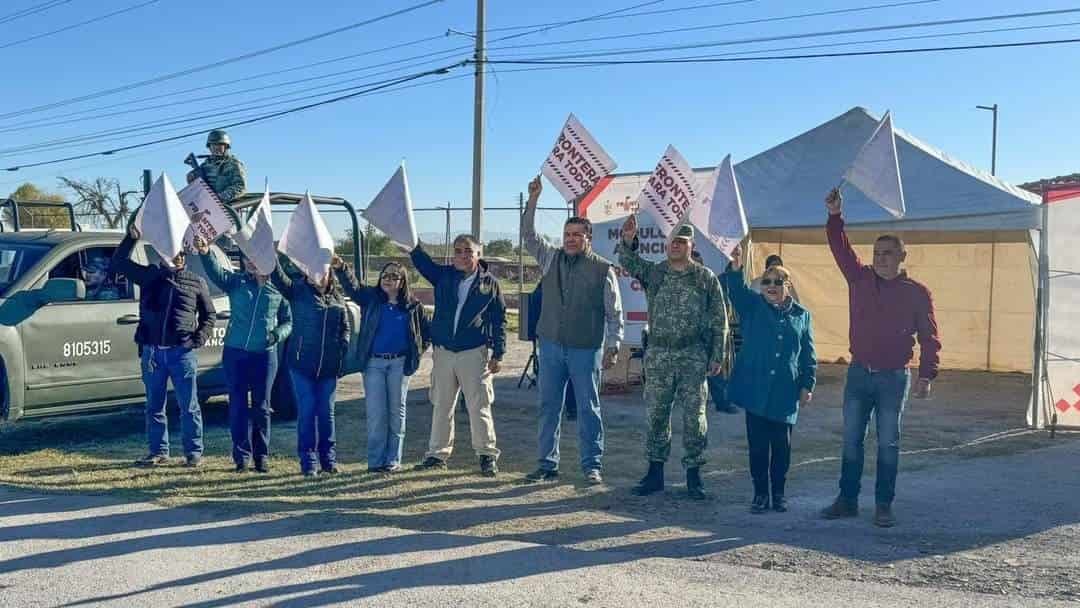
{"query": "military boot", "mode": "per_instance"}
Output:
(652, 482)
(694, 488)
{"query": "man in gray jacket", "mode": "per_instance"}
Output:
(579, 331)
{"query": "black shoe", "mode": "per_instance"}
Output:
(652, 482)
(760, 504)
(488, 468)
(151, 461)
(376, 469)
(430, 463)
(883, 516)
(330, 470)
(241, 467)
(841, 507)
(542, 475)
(779, 503)
(694, 488)
(193, 461)
(310, 473)
(261, 466)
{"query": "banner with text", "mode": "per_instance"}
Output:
(209, 217)
(670, 190)
(577, 162)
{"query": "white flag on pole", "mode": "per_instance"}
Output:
(718, 211)
(162, 220)
(392, 212)
(577, 162)
(307, 241)
(209, 217)
(876, 170)
(670, 190)
(256, 237)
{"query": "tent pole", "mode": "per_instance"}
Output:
(990, 312)
(1038, 367)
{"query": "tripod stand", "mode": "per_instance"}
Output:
(531, 370)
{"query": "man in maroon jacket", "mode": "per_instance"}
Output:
(888, 312)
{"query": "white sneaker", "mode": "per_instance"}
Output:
(593, 477)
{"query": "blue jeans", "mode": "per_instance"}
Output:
(180, 365)
(581, 366)
(883, 393)
(314, 420)
(253, 374)
(385, 390)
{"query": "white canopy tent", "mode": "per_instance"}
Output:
(968, 236)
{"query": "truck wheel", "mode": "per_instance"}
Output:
(282, 399)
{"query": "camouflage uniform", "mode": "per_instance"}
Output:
(687, 331)
(225, 174)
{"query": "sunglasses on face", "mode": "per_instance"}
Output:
(390, 276)
(769, 282)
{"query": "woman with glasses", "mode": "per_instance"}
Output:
(775, 373)
(393, 334)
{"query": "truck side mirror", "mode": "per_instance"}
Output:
(63, 290)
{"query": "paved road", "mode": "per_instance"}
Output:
(63, 550)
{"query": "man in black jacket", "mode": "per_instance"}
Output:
(176, 317)
(469, 334)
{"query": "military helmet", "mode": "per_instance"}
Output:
(218, 136)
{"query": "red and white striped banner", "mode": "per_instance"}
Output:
(670, 190)
(577, 162)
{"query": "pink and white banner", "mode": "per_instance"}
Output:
(670, 190)
(1063, 314)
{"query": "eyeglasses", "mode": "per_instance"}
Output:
(390, 276)
(768, 282)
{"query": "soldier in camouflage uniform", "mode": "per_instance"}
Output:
(687, 333)
(224, 172)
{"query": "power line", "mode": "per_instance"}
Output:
(32, 10)
(77, 25)
(623, 16)
(728, 24)
(264, 117)
(219, 63)
(435, 55)
(707, 59)
(858, 30)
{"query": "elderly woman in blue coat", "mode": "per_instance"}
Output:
(775, 373)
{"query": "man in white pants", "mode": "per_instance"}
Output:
(469, 334)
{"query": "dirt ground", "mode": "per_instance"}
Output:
(956, 527)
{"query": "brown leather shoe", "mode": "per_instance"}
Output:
(841, 507)
(883, 516)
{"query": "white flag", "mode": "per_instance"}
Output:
(876, 170)
(307, 241)
(391, 211)
(162, 220)
(256, 237)
(209, 217)
(576, 161)
(718, 212)
(670, 190)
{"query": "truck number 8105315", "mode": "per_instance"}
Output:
(87, 348)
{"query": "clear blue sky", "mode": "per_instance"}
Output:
(351, 148)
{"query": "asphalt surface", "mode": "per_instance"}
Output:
(73, 550)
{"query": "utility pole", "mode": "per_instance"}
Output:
(478, 128)
(993, 145)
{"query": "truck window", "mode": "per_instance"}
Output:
(16, 259)
(91, 265)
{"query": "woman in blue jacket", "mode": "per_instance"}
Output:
(259, 320)
(775, 373)
(394, 332)
(315, 357)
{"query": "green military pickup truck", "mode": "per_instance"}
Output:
(67, 326)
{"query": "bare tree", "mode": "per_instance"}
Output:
(100, 199)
